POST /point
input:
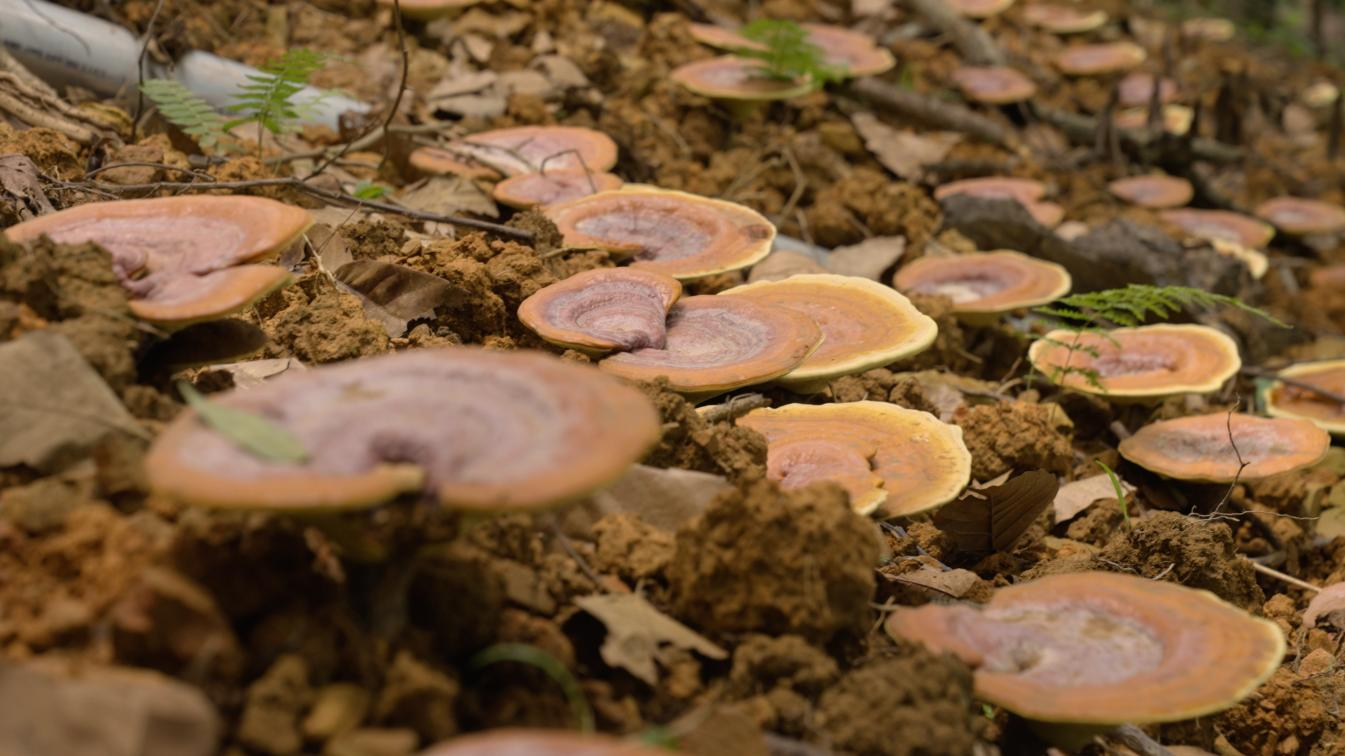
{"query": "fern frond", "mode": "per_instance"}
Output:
(787, 54)
(267, 98)
(185, 109)
(1138, 303)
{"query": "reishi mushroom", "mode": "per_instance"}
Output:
(716, 344)
(481, 430)
(905, 460)
(1136, 89)
(1174, 119)
(1219, 224)
(540, 189)
(1025, 192)
(1198, 447)
(538, 742)
(984, 285)
(1302, 217)
(1100, 59)
(736, 80)
(600, 310)
(1064, 19)
(182, 259)
(1146, 363)
(1156, 191)
(994, 85)
(1098, 649)
(852, 50)
(678, 234)
(518, 150)
(864, 324)
(1285, 400)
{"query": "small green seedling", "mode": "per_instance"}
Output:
(1120, 493)
(523, 653)
(249, 431)
(368, 190)
(788, 55)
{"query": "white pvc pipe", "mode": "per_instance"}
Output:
(67, 47)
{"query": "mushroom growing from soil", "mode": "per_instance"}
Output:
(1223, 225)
(1100, 59)
(1080, 653)
(1302, 217)
(1064, 19)
(994, 85)
(1286, 400)
(541, 189)
(678, 234)
(537, 742)
(182, 259)
(738, 81)
(984, 285)
(601, 310)
(1156, 191)
(841, 47)
(1147, 363)
(905, 460)
(1198, 447)
(716, 344)
(1136, 89)
(519, 150)
(1025, 192)
(979, 8)
(481, 430)
(864, 324)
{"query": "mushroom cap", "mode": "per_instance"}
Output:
(1177, 119)
(840, 46)
(1283, 400)
(1156, 191)
(518, 150)
(1136, 89)
(979, 8)
(604, 309)
(864, 323)
(1102, 648)
(716, 344)
(1148, 362)
(428, 10)
(986, 282)
(1302, 217)
(994, 85)
(1254, 260)
(1048, 214)
(533, 189)
(920, 462)
(731, 78)
(1023, 190)
(1219, 224)
(180, 300)
(1209, 29)
(1098, 59)
(489, 431)
(1198, 448)
(720, 38)
(678, 234)
(1064, 19)
(519, 742)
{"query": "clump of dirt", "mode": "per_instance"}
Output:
(924, 697)
(53, 153)
(1097, 524)
(373, 238)
(630, 547)
(778, 678)
(690, 442)
(319, 323)
(270, 720)
(867, 199)
(737, 568)
(1016, 436)
(1296, 711)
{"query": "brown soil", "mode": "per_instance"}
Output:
(324, 326)
(1007, 436)
(721, 448)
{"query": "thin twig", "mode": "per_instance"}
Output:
(584, 567)
(734, 408)
(140, 69)
(1290, 579)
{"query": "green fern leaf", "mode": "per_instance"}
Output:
(185, 109)
(787, 54)
(267, 98)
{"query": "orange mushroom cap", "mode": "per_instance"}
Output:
(906, 460)
(490, 431)
(1302, 217)
(979, 8)
(1144, 363)
(601, 310)
(1048, 214)
(732, 78)
(540, 189)
(678, 234)
(721, 38)
(519, 150)
(1099, 59)
(429, 10)
(1155, 190)
(986, 283)
(1136, 89)
(1284, 400)
(1102, 648)
(1023, 190)
(1176, 119)
(180, 300)
(1064, 19)
(864, 324)
(1219, 224)
(853, 50)
(1198, 447)
(517, 742)
(716, 344)
(994, 85)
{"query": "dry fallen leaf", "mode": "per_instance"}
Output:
(21, 188)
(447, 195)
(868, 259)
(782, 264)
(1077, 496)
(256, 372)
(636, 631)
(397, 293)
(992, 517)
(1328, 604)
(905, 153)
(666, 499)
(954, 583)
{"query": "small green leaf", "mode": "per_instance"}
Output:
(247, 430)
(1120, 493)
(367, 190)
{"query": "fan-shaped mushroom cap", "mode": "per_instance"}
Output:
(1064, 19)
(916, 461)
(1023, 190)
(979, 8)
(1102, 648)
(678, 234)
(511, 742)
(518, 150)
(721, 38)
(1177, 119)
(1048, 214)
(731, 78)
(1283, 400)
(864, 324)
(533, 189)
(1137, 88)
(1302, 217)
(1198, 447)
(1209, 29)
(174, 301)
(1155, 190)
(1219, 224)
(1104, 58)
(484, 430)
(604, 309)
(840, 46)
(716, 344)
(1148, 362)
(986, 283)
(994, 85)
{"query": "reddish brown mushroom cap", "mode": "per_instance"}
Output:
(604, 309)
(1219, 224)
(994, 85)
(1048, 214)
(720, 38)
(174, 301)
(853, 50)
(986, 283)
(519, 150)
(540, 189)
(1175, 119)
(1102, 648)
(490, 431)
(864, 324)
(1099, 59)
(1284, 400)
(1198, 447)
(674, 233)
(979, 8)
(1302, 217)
(908, 461)
(1148, 362)
(731, 78)
(1064, 19)
(715, 344)
(1022, 190)
(1156, 191)
(509, 742)
(1136, 89)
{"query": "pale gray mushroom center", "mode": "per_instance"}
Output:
(966, 286)
(184, 243)
(628, 313)
(705, 337)
(661, 231)
(1253, 444)
(1117, 364)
